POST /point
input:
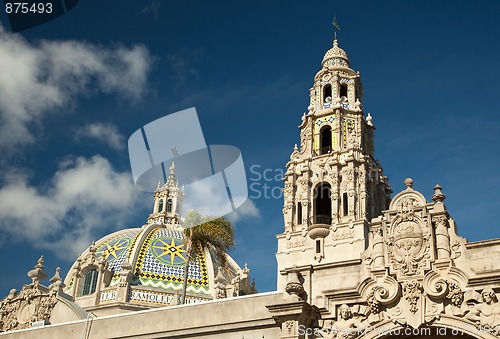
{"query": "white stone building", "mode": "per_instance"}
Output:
(352, 261)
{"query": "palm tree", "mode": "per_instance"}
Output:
(202, 233)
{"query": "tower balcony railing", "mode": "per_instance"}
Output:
(322, 219)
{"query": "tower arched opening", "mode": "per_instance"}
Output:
(325, 140)
(343, 90)
(323, 204)
(327, 93)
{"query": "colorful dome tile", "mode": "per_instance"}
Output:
(116, 249)
(337, 56)
(161, 263)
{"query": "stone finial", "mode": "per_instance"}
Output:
(12, 294)
(438, 196)
(369, 119)
(408, 183)
(37, 274)
(294, 287)
(357, 105)
(57, 282)
(295, 148)
(92, 248)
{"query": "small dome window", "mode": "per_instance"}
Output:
(160, 206)
(89, 282)
(169, 205)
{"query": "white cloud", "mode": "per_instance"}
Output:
(40, 78)
(105, 133)
(246, 210)
(83, 196)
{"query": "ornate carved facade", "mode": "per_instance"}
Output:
(364, 263)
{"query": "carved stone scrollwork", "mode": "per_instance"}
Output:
(33, 303)
(382, 294)
(435, 286)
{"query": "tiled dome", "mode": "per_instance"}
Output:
(335, 56)
(157, 257)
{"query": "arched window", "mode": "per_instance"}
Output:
(343, 90)
(325, 140)
(169, 205)
(327, 93)
(160, 206)
(322, 204)
(89, 282)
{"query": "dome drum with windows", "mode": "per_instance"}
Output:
(143, 267)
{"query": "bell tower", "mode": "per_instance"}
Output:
(333, 185)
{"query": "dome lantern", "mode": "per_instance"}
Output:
(167, 201)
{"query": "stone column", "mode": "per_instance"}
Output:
(378, 243)
(442, 237)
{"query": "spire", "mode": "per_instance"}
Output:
(171, 180)
(168, 201)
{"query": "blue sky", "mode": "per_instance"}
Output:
(73, 90)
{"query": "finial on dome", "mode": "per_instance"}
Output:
(172, 168)
(37, 274)
(408, 183)
(56, 281)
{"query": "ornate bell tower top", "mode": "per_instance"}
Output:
(167, 201)
(333, 179)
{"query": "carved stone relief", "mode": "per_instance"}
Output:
(34, 302)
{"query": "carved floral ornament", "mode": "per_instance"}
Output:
(34, 303)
